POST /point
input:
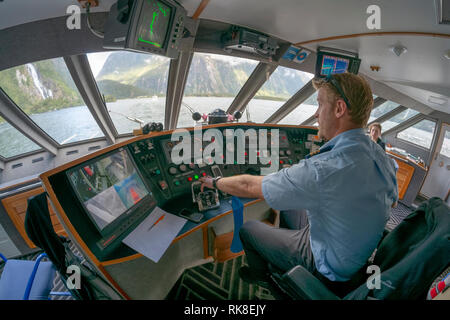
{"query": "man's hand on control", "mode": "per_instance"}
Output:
(206, 182)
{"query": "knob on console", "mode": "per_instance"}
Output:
(173, 170)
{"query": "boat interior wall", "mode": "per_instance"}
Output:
(12, 243)
(38, 162)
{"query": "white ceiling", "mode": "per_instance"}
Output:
(420, 73)
(15, 12)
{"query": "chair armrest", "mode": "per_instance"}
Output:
(301, 284)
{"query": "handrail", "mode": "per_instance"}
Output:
(26, 295)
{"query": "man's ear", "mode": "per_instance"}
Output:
(339, 110)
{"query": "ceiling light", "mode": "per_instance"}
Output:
(398, 50)
(447, 55)
(437, 100)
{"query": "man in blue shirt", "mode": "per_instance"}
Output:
(347, 190)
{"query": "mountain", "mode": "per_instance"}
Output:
(118, 90)
(209, 75)
(143, 74)
(40, 86)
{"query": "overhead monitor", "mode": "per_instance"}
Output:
(334, 63)
(151, 26)
(109, 188)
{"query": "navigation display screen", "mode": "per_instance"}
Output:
(108, 187)
(333, 65)
(153, 23)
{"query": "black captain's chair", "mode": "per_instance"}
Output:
(40, 230)
(410, 257)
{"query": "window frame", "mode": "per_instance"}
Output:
(413, 121)
(45, 134)
(398, 126)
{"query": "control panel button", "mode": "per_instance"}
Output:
(155, 172)
(182, 167)
(173, 170)
(163, 184)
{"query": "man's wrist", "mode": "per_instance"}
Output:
(214, 182)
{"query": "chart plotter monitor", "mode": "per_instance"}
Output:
(111, 190)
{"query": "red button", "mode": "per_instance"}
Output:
(190, 179)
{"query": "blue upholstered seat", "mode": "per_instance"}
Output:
(15, 277)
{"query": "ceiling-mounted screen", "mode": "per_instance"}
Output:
(152, 26)
(332, 63)
(153, 23)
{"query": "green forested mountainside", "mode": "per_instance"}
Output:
(41, 86)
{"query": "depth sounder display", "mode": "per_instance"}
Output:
(154, 23)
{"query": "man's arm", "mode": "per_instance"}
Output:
(245, 185)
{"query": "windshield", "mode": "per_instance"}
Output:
(213, 82)
(133, 85)
(12, 142)
(282, 84)
(45, 91)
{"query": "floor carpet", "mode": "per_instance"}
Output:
(397, 215)
(217, 281)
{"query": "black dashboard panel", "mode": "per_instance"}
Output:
(153, 155)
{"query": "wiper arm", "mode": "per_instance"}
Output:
(129, 118)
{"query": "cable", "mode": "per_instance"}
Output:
(96, 33)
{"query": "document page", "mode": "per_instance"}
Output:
(155, 234)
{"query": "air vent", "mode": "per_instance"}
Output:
(68, 153)
(443, 11)
(94, 148)
(17, 165)
(37, 160)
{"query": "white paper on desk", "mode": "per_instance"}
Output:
(154, 242)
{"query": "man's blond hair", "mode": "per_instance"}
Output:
(357, 92)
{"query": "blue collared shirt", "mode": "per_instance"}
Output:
(348, 192)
